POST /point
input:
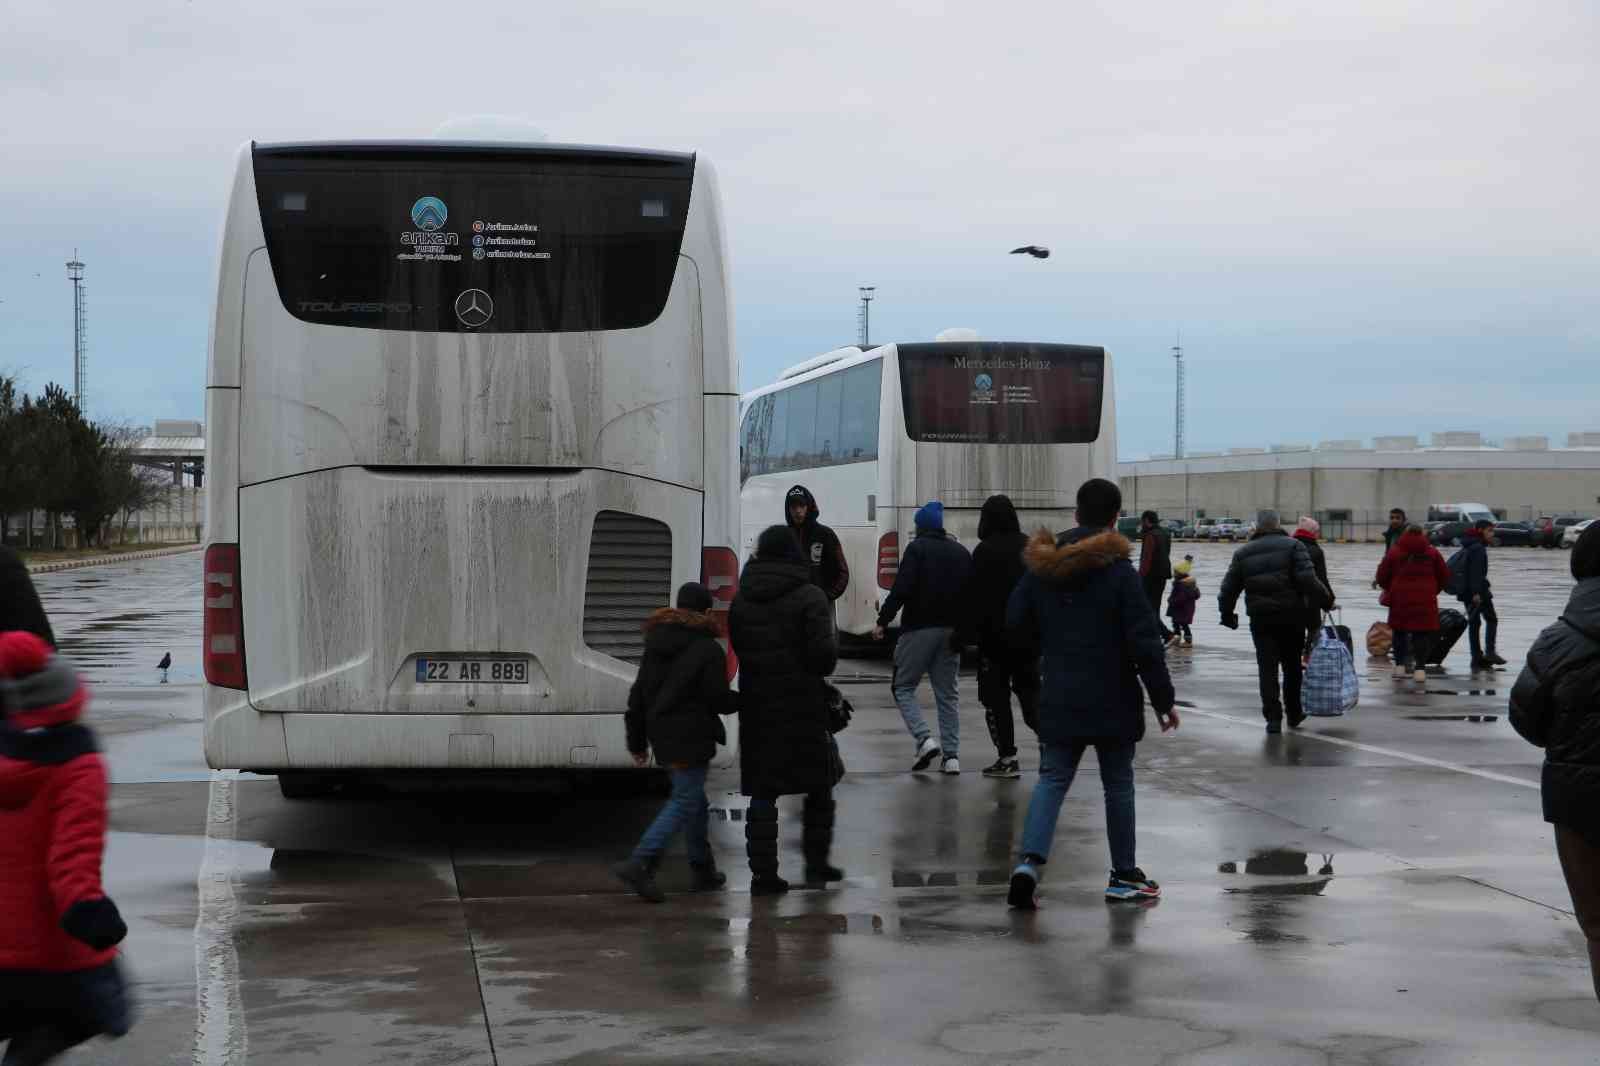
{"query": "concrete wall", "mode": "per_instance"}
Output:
(1368, 494)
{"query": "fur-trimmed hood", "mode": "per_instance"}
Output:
(1072, 557)
(674, 616)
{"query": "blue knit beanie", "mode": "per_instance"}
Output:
(931, 515)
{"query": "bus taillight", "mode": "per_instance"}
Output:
(719, 573)
(224, 618)
(888, 559)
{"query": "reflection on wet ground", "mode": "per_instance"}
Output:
(379, 927)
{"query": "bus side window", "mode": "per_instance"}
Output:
(858, 424)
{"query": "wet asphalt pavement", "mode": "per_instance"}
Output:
(1375, 889)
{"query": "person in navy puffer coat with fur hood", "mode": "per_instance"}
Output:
(59, 980)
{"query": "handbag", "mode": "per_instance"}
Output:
(835, 762)
(1331, 687)
(837, 708)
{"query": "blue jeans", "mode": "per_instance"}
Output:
(1056, 770)
(687, 809)
(927, 651)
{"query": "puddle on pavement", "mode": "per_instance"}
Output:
(1291, 872)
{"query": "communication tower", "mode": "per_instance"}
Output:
(80, 335)
(864, 315)
(1177, 419)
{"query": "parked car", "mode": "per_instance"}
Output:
(1128, 526)
(1201, 530)
(1227, 529)
(1513, 534)
(1574, 531)
(1548, 532)
(1174, 527)
(1448, 534)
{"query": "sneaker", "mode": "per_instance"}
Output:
(1024, 884)
(640, 875)
(1400, 671)
(1274, 728)
(1420, 676)
(951, 765)
(1188, 642)
(927, 751)
(768, 886)
(823, 873)
(1003, 767)
(1494, 660)
(1297, 720)
(1132, 884)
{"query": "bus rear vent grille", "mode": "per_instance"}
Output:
(630, 576)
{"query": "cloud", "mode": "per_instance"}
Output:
(1353, 185)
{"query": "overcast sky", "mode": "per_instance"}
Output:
(1376, 216)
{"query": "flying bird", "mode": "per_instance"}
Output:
(1037, 251)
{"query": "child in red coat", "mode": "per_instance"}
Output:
(59, 979)
(1413, 574)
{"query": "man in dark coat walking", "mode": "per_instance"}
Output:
(932, 586)
(1274, 574)
(1555, 704)
(19, 602)
(1478, 597)
(1083, 604)
(782, 630)
(675, 709)
(1004, 666)
(818, 544)
(1155, 564)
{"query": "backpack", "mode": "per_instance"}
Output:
(1458, 574)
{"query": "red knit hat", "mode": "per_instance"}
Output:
(38, 688)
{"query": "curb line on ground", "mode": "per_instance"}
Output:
(75, 564)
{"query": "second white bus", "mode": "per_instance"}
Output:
(875, 434)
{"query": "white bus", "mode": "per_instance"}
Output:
(471, 417)
(875, 434)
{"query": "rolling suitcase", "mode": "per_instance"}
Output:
(1452, 623)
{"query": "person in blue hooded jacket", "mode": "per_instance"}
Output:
(1083, 605)
(932, 585)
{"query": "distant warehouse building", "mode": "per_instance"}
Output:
(1350, 488)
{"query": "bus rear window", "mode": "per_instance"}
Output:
(459, 238)
(990, 392)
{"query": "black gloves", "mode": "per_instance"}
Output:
(1230, 621)
(96, 922)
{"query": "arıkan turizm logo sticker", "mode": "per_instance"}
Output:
(429, 213)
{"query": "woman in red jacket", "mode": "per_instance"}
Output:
(59, 980)
(1413, 573)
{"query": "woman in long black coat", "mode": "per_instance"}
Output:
(1555, 704)
(782, 630)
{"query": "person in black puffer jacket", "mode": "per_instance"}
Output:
(782, 630)
(674, 707)
(1279, 584)
(1004, 666)
(1555, 705)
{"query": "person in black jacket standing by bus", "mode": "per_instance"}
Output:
(1155, 565)
(1555, 705)
(783, 634)
(818, 544)
(1004, 666)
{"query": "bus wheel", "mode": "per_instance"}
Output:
(296, 785)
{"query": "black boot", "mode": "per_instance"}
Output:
(761, 846)
(640, 875)
(816, 841)
(705, 877)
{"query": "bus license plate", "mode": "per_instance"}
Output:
(480, 671)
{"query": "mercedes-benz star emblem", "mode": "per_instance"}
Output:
(474, 308)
